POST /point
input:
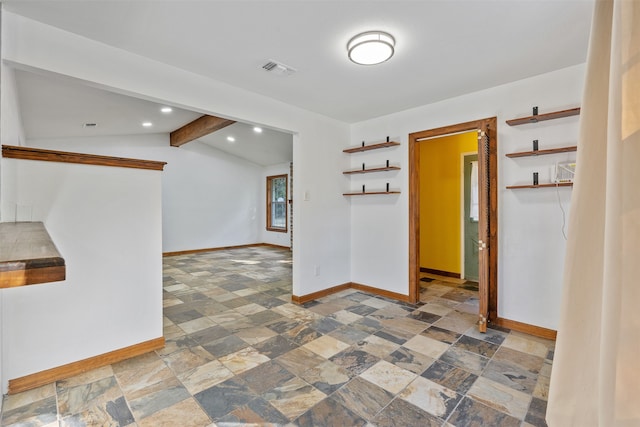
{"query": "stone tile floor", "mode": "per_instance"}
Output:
(239, 352)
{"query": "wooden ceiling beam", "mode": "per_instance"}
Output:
(198, 128)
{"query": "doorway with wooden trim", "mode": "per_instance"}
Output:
(487, 212)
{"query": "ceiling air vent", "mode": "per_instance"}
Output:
(278, 68)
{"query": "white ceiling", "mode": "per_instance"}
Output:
(269, 147)
(54, 107)
(444, 48)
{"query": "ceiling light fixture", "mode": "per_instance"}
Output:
(147, 124)
(257, 129)
(371, 47)
(231, 139)
(166, 110)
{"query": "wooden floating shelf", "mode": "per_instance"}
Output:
(560, 184)
(367, 193)
(370, 147)
(543, 117)
(381, 169)
(543, 152)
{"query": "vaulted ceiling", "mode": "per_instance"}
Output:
(54, 107)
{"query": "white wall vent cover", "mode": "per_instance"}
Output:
(279, 68)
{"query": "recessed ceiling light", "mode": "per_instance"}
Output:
(231, 139)
(370, 48)
(147, 124)
(257, 129)
(90, 125)
(166, 109)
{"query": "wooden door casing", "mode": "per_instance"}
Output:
(488, 288)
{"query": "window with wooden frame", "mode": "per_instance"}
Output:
(277, 203)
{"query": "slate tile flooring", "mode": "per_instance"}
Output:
(238, 352)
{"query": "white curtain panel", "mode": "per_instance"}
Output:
(595, 379)
(474, 198)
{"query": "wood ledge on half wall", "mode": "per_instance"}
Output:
(28, 256)
(29, 153)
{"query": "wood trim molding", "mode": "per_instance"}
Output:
(492, 126)
(271, 245)
(526, 328)
(197, 251)
(320, 294)
(30, 153)
(440, 272)
(414, 220)
(350, 285)
(380, 292)
(199, 127)
(221, 248)
(38, 379)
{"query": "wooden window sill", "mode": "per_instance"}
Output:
(277, 230)
(28, 256)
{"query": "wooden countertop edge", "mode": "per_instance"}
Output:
(34, 276)
(31, 264)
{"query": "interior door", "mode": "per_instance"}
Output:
(471, 216)
(483, 228)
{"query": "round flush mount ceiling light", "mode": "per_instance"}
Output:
(370, 48)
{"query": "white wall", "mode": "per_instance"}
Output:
(322, 223)
(106, 223)
(210, 199)
(273, 237)
(531, 246)
(11, 133)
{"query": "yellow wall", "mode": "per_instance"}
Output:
(440, 176)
